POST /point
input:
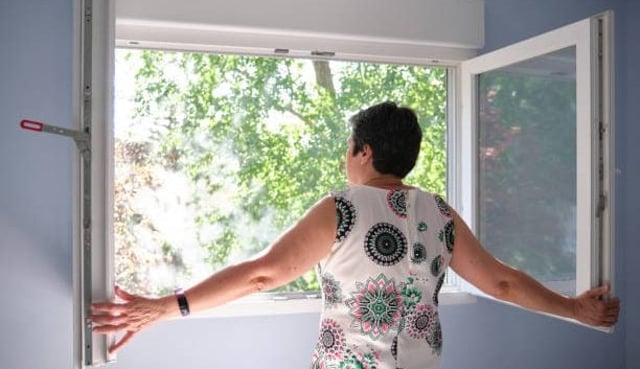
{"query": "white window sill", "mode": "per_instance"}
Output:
(261, 305)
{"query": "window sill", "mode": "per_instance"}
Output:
(260, 306)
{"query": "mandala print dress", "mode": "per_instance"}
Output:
(380, 282)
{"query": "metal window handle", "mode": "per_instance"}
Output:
(80, 137)
(31, 125)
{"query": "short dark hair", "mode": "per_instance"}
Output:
(393, 133)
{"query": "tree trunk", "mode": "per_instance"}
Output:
(324, 78)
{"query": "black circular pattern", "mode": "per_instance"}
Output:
(345, 216)
(437, 291)
(442, 206)
(327, 339)
(331, 340)
(436, 266)
(419, 253)
(449, 235)
(397, 200)
(422, 322)
(385, 244)
(394, 348)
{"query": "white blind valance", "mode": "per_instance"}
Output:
(404, 30)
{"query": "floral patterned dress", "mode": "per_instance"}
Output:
(381, 280)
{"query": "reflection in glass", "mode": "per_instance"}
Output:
(527, 166)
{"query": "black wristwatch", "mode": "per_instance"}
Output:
(183, 304)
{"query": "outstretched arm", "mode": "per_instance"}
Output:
(473, 263)
(294, 253)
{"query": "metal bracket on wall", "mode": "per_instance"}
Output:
(82, 139)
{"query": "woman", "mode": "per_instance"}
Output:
(381, 260)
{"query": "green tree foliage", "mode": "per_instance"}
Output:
(259, 139)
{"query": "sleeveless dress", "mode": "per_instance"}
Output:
(380, 282)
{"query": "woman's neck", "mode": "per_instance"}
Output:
(384, 181)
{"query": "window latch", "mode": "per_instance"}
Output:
(81, 138)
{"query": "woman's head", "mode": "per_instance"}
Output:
(392, 132)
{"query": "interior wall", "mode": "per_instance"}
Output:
(35, 225)
(629, 174)
(35, 185)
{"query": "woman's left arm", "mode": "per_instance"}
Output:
(473, 263)
(295, 252)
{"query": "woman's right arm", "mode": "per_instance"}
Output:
(294, 253)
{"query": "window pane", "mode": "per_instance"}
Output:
(215, 155)
(527, 166)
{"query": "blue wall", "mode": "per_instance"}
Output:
(35, 185)
(629, 179)
(35, 224)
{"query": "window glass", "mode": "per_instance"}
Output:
(527, 166)
(215, 155)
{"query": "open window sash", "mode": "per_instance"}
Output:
(93, 106)
(573, 66)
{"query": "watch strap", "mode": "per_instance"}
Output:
(183, 304)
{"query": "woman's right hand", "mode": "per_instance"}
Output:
(130, 315)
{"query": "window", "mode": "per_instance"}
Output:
(215, 155)
(466, 108)
(527, 166)
(536, 152)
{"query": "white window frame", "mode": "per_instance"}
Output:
(592, 39)
(301, 302)
(146, 24)
(461, 142)
(203, 26)
(93, 61)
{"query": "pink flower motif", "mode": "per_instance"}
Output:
(421, 321)
(376, 306)
(332, 341)
(331, 290)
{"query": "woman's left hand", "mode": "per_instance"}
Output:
(130, 315)
(594, 308)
